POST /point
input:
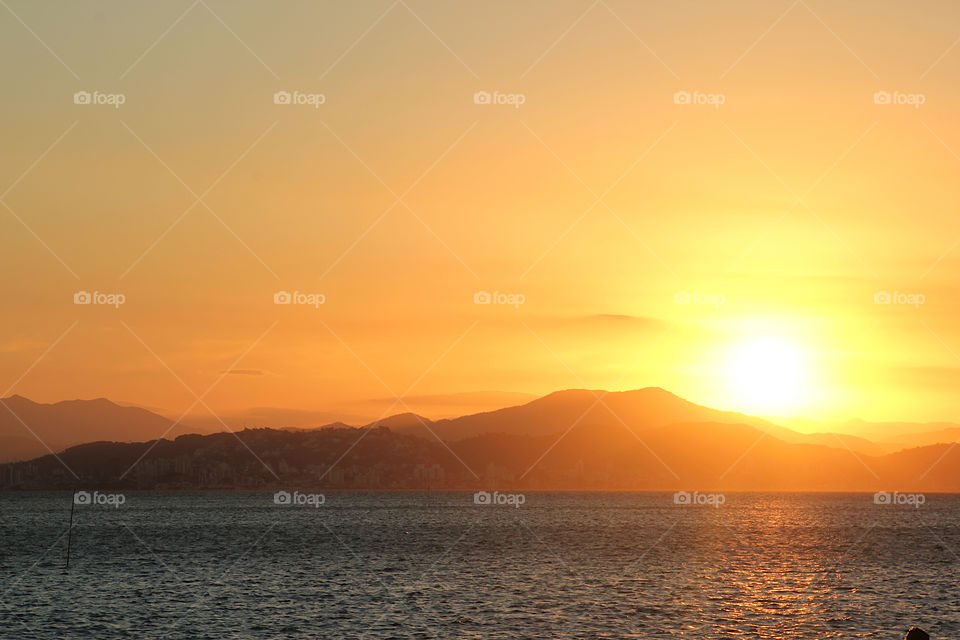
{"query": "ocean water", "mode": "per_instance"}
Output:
(438, 565)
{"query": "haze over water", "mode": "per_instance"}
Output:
(416, 565)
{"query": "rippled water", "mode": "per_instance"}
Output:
(419, 565)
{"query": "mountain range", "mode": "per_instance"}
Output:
(29, 429)
(573, 439)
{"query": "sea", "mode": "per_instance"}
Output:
(291, 565)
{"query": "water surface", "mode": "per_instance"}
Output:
(437, 565)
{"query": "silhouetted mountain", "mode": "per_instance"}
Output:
(946, 433)
(689, 456)
(271, 417)
(335, 456)
(402, 421)
(884, 437)
(644, 439)
(841, 440)
(639, 410)
(26, 426)
(357, 412)
(702, 456)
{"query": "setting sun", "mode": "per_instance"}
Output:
(768, 374)
(412, 318)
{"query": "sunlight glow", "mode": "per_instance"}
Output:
(768, 374)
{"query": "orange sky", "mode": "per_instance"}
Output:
(781, 211)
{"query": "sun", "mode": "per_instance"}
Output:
(768, 375)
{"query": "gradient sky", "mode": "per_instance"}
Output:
(598, 199)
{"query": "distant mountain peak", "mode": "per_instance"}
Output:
(66, 423)
(18, 398)
(400, 420)
(560, 411)
(650, 392)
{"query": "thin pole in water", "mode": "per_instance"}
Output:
(73, 502)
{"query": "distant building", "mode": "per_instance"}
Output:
(429, 475)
